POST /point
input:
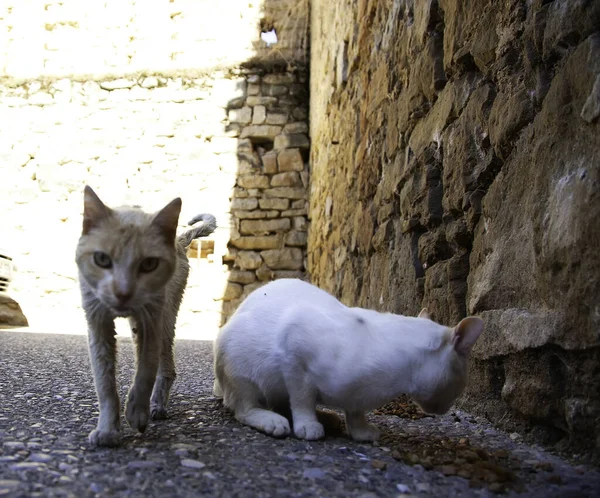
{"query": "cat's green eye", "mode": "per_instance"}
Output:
(148, 264)
(102, 260)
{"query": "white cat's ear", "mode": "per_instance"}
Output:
(424, 314)
(466, 333)
(94, 210)
(167, 218)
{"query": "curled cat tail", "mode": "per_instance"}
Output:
(208, 226)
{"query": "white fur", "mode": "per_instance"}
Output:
(292, 344)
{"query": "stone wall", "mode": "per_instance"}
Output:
(269, 207)
(455, 165)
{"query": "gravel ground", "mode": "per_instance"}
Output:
(48, 406)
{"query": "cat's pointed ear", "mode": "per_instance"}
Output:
(424, 314)
(167, 219)
(94, 210)
(466, 333)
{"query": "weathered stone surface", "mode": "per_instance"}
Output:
(296, 238)
(259, 227)
(261, 132)
(253, 181)
(287, 179)
(280, 204)
(290, 160)
(259, 115)
(296, 140)
(269, 161)
(455, 170)
(284, 259)
(11, 314)
(243, 115)
(277, 118)
(248, 260)
(286, 193)
(232, 291)
(241, 276)
(246, 204)
(256, 100)
(260, 242)
(257, 214)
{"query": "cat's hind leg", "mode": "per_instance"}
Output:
(243, 397)
(359, 428)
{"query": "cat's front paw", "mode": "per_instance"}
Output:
(137, 414)
(309, 431)
(158, 412)
(367, 433)
(100, 437)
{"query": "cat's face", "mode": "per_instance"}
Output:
(446, 378)
(126, 256)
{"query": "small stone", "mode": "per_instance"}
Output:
(96, 488)
(423, 487)
(192, 464)
(296, 238)
(253, 89)
(279, 79)
(8, 485)
(300, 223)
(264, 273)
(279, 204)
(396, 455)
(263, 227)
(27, 466)
(41, 99)
(496, 487)
(142, 464)
(448, 470)
(256, 100)
(286, 192)
(402, 488)
(256, 214)
(298, 127)
(258, 242)
(40, 457)
(150, 82)
(14, 445)
(117, 84)
(313, 473)
(379, 464)
(232, 291)
(309, 458)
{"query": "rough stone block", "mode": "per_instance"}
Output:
(260, 227)
(264, 273)
(259, 114)
(243, 115)
(253, 89)
(300, 223)
(296, 140)
(298, 127)
(241, 276)
(285, 192)
(274, 90)
(261, 132)
(277, 118)
(256, 214)
(269, 161)
(287, 179)
(258, 242)
(296, 238)
(232, 291)
(248, 260)
(246, 204)
(253, 181)
(280, 204)
(279, 79)
(290, 160)
(259, 100)
(289, 258)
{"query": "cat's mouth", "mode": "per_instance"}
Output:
(121, 311)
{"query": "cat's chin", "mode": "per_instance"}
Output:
(121, 312)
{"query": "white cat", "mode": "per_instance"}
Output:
(292, 344)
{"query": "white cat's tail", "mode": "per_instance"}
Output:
(208, 226)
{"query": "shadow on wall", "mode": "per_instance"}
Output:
(269, 202)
